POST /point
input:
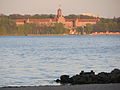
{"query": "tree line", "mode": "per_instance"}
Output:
(32, 28)
(45, 16)
(8, 26)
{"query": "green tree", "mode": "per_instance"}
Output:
(26, 29)
(72, 16)
(7, 25)
(88, 28)
(58, 28)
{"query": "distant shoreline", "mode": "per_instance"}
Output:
(38, 35)
(106, 33)
(117, 33)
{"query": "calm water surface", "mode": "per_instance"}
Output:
(39, 60)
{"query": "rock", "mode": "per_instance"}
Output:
(87, 73)
(103, 77)
(64, 79)
(57, 80)
(115, 76)
(115, 71)
(90, 78)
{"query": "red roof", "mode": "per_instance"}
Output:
(88, 20)
(41, 20)
(55, 19)
(21, 20)
(67, 20)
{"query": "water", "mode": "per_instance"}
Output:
(39, 60)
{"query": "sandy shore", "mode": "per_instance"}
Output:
(73, 87)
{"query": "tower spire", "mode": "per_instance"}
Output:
(59, 13)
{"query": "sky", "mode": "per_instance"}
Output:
(105, 8)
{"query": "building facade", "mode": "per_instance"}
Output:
(70, 24)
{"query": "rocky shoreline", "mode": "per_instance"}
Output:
(81, 81)
(91, 78)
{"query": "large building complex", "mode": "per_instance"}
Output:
(68, 23)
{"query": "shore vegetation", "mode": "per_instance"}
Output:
(8, 26)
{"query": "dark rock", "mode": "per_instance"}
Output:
(103, 77)
(115, 76)
(115, 71)
(87, 73)
(64, 79)
(57, 80)
(90, 78)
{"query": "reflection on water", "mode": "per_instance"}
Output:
(38, 60)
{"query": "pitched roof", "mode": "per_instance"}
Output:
(69, 20)
(88, 20)
(54, 20)
(41, 20)
(20, 20)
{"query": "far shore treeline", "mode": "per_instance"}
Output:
(9, 27)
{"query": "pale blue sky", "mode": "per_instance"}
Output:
(105, 8)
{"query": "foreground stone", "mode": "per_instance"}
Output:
(91, 78)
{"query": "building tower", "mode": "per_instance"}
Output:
(59, 13)
(60, 17)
